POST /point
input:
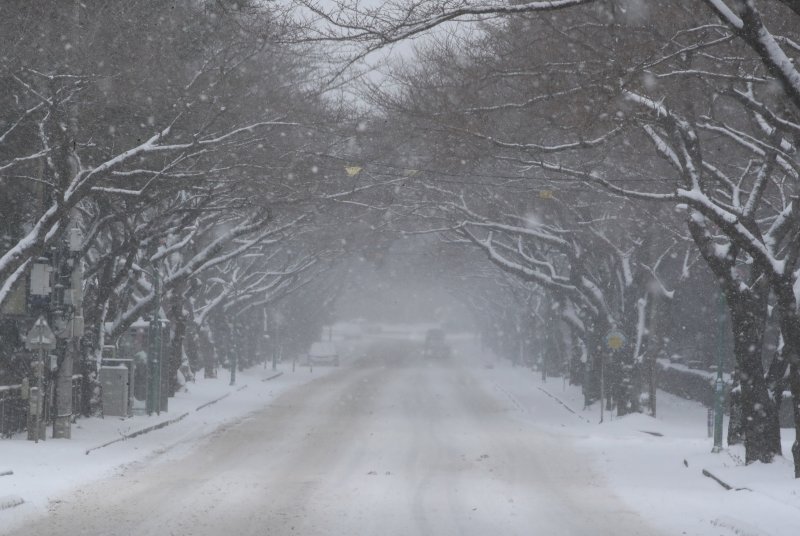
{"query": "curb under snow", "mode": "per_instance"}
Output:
(164, 424)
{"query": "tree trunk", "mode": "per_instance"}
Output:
(759, 413)
(576, 365)
(208, 355)
(790, 330)
(62, 423)
(735, 423)
(628, 396)
(650, 357)
(592, 367)
(192, 348)
(747, 307)
(176, 352)
(178, 319)
(794, 385)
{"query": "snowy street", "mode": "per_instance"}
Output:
(400, 267)
(389, 444)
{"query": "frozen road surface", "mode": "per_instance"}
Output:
(390, 445)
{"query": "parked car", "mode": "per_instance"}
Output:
(323, 353)
(436, 344)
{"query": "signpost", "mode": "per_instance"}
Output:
(39, 339)
(615, 340)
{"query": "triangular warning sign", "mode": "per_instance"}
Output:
(40, 337)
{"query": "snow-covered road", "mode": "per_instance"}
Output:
(388, 445)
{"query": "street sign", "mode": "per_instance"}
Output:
(615, 340)
(40, 337)
(40, 279)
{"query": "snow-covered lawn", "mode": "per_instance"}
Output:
(660, 476)
(45, 470)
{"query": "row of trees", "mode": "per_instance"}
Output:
(595, 149)
(598, 153)
(181, 140)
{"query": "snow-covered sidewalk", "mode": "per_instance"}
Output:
(43, 471)
(656, 465)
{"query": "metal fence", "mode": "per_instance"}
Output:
(14, 408)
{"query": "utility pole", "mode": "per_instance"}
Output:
(67, 317)
(62, 424)
(719, 384)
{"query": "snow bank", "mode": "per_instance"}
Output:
(656, 465)
(52, 468)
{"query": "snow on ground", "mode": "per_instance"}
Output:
(395, 445)
(44, 470)
(654, 465)
(660, 476)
